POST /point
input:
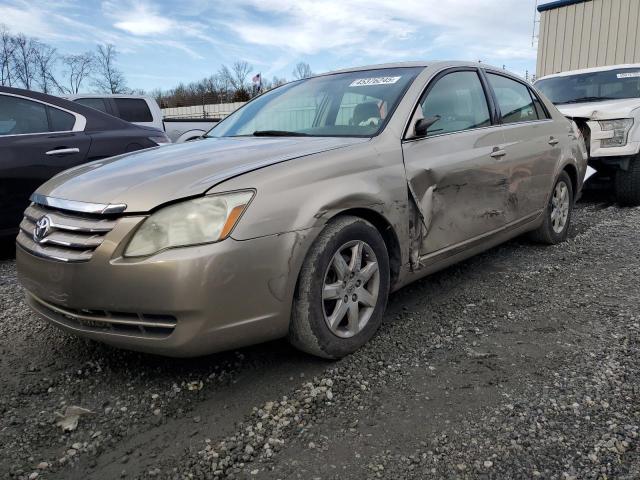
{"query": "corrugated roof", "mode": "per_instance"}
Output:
(558, 4)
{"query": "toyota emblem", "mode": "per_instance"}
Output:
(42, 229)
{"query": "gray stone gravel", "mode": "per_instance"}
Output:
(519, 363)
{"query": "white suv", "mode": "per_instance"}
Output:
(605, 104)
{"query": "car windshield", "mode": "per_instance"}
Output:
(355, 104)
(592, 87)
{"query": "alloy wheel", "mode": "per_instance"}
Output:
(560, 205)
(350, 289)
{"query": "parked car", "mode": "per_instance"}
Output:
(301, 211)
(605, 103)
(144, 110)
(41, 135)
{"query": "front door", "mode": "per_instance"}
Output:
(454, 173)
(37, 141)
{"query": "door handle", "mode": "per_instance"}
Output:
(553, 141)
(498, 152)
(63, 151)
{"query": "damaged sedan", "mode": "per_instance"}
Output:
(297, 215)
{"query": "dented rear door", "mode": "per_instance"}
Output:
(532, 145)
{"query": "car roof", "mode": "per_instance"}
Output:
(438, 65)
(104, 95)
(96, 120)
(591, 70)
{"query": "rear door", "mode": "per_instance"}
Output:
(453, 176)
(532, 145)
(37, 141)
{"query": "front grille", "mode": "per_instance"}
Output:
(71, 237)
(103, 321)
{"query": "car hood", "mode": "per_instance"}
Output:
(605, 110)
(145, 179)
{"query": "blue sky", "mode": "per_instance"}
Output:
(165, 42)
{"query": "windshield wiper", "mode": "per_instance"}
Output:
(278, 133)
(587, 99)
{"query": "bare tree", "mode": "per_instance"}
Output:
(108, 78)
(7, 47)
(77, 68)
(24, 62)
(277, 81)
(237, 75)
(302, 70)
(45, 59)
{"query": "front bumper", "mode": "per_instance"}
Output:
(180, 302)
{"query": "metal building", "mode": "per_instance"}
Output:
(576, 34)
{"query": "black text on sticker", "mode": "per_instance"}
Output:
(363, 82)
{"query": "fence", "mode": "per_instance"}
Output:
(219, 110)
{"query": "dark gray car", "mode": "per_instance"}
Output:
(42, 135)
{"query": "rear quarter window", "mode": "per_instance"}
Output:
(133, 110)
(60, 121)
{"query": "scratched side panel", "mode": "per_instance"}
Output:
(531, 162)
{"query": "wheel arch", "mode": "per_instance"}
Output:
(190, 135)
(572, 171)
(386, 230)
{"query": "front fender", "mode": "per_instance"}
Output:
(305, 193)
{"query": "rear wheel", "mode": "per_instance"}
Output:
(557, 216)
(342, 290)
(627, 184)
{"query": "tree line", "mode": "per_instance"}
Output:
(26, 62)
(228, 84)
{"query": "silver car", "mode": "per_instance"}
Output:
(301, 212)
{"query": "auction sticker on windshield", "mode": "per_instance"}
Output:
(365, 82)
(628, 75)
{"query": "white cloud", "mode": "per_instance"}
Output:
(34, 21)
(139, 19)
(383, 28)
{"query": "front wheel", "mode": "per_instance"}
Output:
(557, 216)
(628, 185)
(342, 290)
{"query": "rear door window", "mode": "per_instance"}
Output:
(19, 116)
(97, 103)
(514, 99)
(459, 100)
(133, 109)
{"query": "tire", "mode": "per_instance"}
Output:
(627, 185)
(554, 230)
(314, 310)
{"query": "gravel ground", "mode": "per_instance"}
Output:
(519, 363)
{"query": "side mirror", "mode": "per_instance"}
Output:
(424, 124)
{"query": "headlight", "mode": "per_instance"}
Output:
(203, 220)
(620, 129)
